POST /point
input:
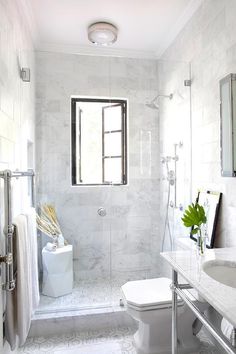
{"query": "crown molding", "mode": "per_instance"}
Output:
(26, 10)
(178, 26)
(94, 51)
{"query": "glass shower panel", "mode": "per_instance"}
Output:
(134, 225)
(176, 143)
(115, 230)
(139, 209)
(84, 212)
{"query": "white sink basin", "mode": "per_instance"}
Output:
(222, 271)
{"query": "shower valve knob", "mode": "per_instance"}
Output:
(102, 212)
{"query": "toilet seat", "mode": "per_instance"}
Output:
(149, 294)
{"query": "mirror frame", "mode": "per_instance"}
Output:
(215, 210)
(230, 106)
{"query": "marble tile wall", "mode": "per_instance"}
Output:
(124, 244)
(16, 105)
(208, 42)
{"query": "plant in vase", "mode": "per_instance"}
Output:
(195, 217)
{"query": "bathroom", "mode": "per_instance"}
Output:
(163, 71)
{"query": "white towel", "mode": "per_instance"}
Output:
(10, 320)
(226, 328)
(24, 279)
(33, 244)
(19, 301)
(23, 301)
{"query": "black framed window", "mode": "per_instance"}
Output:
(99, 141)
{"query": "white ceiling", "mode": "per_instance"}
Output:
(146, 27)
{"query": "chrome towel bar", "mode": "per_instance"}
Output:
(7, 259)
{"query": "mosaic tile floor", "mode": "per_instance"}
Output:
(112, 341)
(84, 295)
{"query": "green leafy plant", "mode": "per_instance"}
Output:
(194, 217)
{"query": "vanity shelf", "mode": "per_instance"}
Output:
(221, 297)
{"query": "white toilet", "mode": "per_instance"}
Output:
(149, 302)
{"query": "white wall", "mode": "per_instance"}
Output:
(16, 97)
(208, 42)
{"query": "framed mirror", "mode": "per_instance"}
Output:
(211, 203)
(228, 125)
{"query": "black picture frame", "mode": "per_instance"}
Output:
(211, 202)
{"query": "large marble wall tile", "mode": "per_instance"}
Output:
(17, 110)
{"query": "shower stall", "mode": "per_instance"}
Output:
(116, 230)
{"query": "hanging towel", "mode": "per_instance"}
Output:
(226, 328)
(19, 301)
(33, 245)
(10, 312)
(10, 319)
(24, 279)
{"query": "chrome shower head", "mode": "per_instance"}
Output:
(154, 103)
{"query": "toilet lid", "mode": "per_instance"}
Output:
(149, 293)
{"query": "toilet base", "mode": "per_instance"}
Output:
(155, 337)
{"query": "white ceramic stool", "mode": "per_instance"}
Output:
(57, 271)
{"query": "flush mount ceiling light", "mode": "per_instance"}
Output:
(102, 33)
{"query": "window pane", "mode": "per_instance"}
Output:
(112, 144)
(112, 170)
(112, 118)
(89, 142)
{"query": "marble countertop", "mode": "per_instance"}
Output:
(189, 266)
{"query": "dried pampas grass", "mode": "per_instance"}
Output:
(47, 221)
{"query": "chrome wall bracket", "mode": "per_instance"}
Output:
(187, 82)
(3, 259)
(8, 259)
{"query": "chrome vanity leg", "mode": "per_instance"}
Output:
(174, 312)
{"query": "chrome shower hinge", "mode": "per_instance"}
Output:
(187, 82)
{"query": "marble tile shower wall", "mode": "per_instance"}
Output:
(16, 105)
(16, 97)
(125, 243)
(208, 42)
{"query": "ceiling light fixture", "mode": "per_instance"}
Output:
(102, 33)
